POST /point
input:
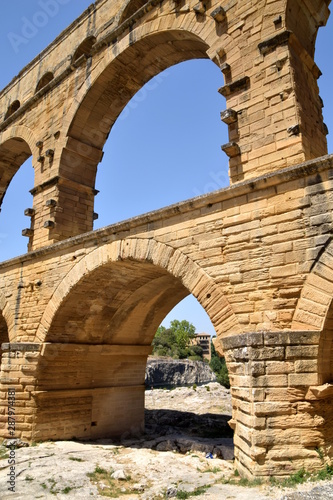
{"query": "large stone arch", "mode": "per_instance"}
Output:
(191, 277)
(17, 144)
(97, 332)
(116, 75)
(136, 60)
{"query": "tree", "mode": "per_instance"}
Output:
(175, 341)
(219, 367)
(184, 332)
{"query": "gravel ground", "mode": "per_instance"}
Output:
(169, 461)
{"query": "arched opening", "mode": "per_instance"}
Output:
(175, 134)
(16, 177)
(12, 108)
(45, 80)
(99, 342)
(97, 347)
(84, 49)
(115, 87)
(108, 95)
(180, 368)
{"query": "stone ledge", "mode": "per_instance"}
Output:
(58, 393)
(21, 346)
(102, 349)
(243, 340)
(288, 174)
(236, 86)
(269, 45)
(261, 339)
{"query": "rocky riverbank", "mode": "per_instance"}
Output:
(168, 372)
(139, 468)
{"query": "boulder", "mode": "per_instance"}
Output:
(167, 372)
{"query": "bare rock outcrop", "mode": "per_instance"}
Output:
(167, 372)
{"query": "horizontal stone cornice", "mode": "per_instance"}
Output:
(302, 170)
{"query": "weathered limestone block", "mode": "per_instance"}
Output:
(287, 420)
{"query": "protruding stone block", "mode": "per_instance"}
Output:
(231, 149)
(51, 203)
(229, 116)
(225, 68)
(236, 86)
(49, 224)
(219, 14)
(29, 212)
(294, 129)
(272, 43)
(200, 8)
(27, 232)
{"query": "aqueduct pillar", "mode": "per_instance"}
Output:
(81, 308)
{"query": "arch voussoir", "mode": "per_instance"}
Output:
(142, 250)
(317, 294)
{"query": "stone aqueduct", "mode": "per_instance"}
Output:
(80, 309)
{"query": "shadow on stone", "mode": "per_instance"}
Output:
(180, 431)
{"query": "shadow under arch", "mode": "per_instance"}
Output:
(12, 108)
(84, 49)
(146, 252)
(4, 321)
(44, 80)
(4, 337)
(100, 324)
(314, 312)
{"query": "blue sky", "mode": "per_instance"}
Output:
(164, 147)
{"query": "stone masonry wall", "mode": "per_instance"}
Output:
(258, 258)
(272, 105)
(257, 242)
(280, 425)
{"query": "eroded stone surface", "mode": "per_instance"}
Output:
(60, 469)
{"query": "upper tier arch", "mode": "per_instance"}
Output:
(16, 145)
(273, 109)
(165, 277)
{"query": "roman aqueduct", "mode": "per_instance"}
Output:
(79, 310)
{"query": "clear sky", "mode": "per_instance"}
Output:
(165, 146)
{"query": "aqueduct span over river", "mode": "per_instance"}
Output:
(78, 312)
